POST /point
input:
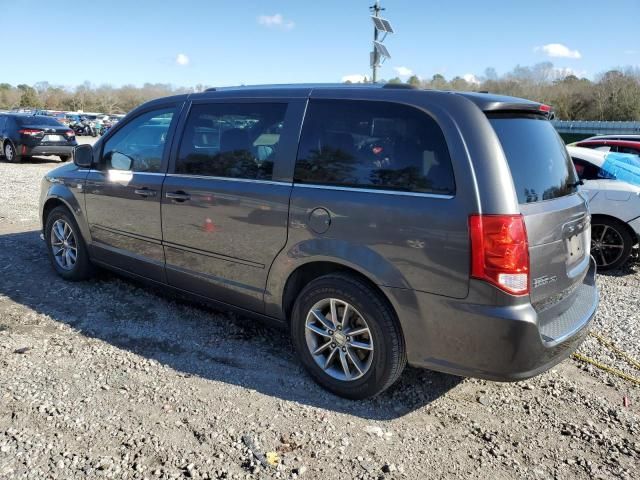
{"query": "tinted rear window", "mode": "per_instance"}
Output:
(373, 145)
(540, 165)
(38, 120)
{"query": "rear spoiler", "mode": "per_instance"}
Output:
(493, 104)
(520, 108)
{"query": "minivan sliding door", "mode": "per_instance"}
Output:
(225, 202)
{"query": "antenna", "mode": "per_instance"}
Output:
(379, 53)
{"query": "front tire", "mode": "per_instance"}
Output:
(611, 243)
(64, 158)
(347, 336)
(67, 251)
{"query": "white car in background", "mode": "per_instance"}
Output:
(614, 205)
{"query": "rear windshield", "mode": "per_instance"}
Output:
(27, 121)
(540, 165)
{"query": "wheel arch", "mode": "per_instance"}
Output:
(49, 205)
(309, 271)
(60, 195)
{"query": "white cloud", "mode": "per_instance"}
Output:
(276, 21)
(471, 78)
(182, 60)
(354, 78)
(403, 71)
(558, 50)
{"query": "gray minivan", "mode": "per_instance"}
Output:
(382, 225)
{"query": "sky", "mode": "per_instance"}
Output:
(221, 42)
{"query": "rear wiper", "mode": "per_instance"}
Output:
(576, 184)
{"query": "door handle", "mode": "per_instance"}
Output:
(145, 192)
(178, 196)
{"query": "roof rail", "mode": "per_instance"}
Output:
(400, 86)
(212, 89)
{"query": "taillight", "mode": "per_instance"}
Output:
(500, 251)
(69, 133)
(545, 108)
(30, 131)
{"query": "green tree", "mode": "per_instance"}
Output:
(414, 81)
(438, 82)
(29, 97)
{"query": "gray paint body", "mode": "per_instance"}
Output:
(237, 242)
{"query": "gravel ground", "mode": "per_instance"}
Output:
(109, 379)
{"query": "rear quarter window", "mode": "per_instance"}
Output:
(540, 165)
(373, 145)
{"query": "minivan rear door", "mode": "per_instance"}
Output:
(556, 215)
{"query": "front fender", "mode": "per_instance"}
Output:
(359, 258)
(68, 192)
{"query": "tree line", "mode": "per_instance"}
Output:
(86, 97)
(612, 95)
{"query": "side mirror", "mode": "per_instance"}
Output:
(83, 156)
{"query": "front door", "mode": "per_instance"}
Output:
(224, 204)
(122, 194)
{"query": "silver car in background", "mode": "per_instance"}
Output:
(614, 203)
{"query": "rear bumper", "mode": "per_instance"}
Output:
(504, 343)
(65, 150)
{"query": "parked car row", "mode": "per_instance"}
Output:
(68, 117)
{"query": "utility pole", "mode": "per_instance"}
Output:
(379, 52)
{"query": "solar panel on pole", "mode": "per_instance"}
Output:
(378, 23)
(387, 26)
(381, 49)
(382, 24)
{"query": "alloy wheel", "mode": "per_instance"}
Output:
(8, 152)
(339, 339)
(64, 245)
(607, 244)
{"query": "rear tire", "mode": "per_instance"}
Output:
(349, 364)
(67, 251)
(10, 153)
(611, 243)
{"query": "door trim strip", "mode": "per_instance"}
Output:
(373, 190)
(229, 179)
(211, 254)
(126, 234)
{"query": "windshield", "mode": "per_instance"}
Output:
(540, 165)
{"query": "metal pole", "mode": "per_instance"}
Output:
(376, 10)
